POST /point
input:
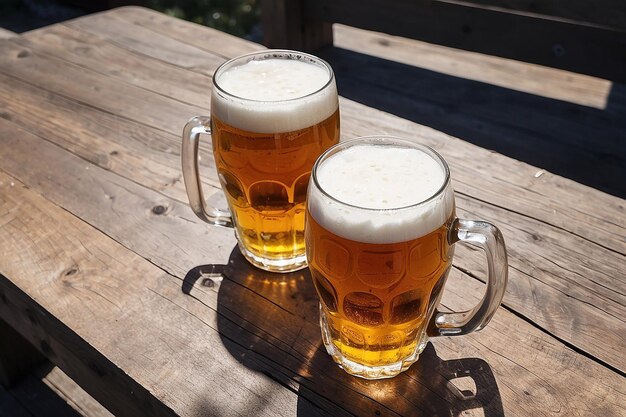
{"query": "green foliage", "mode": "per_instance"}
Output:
(237, 17)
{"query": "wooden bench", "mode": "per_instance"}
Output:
(5, 34)
(580, 36)
(567, 122)
(105, 270)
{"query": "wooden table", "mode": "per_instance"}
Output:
(105, 269)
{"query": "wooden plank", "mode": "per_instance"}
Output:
(544, 259)
(160, 36)
(5, 34)
(483, 102)
(148, 42)
(90, 51)
(206, 39)
(588, 50)
(83, 278)
(124, 207)
(114, 96)
(515, 75)
(40, 401)
(141, 153)
(47, 391)
(63, 386)
(283, 341)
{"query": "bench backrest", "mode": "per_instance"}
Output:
(578, 35)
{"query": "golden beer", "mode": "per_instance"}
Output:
(380, 233)
(377, 245)
(265, 178)
(273, 113)
(378, 297)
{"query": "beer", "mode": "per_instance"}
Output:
(271, 118)
(377, 245)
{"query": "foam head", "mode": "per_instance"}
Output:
(274, 94)
(381, 193)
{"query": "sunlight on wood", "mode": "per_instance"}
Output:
(507, 73)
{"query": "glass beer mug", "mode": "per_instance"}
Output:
(273, 113)
(380, 234)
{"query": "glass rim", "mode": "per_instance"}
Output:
(274, 53)
(379, 140)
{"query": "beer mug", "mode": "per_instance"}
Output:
(380, 234)
(273, 113)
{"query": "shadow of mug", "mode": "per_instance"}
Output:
(269, 323)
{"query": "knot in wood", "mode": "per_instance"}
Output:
(208, 282)
(159, 209)
(71, 271)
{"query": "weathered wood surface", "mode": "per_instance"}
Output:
(73, 395)
(5, 34)
(111, 285)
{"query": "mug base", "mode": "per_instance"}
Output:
(364, 371)
(275, 265)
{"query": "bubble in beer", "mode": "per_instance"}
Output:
(363, 308)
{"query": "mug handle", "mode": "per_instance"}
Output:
(489, 238)
(193, 185)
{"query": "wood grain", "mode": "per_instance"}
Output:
(109, 296)
(164, 38)
(73, 394)
(108, 95)
(152, 302)
(90, 51)
(507, 73)
(283, 342)
(186, 256)
(523, 177)
(532, 247)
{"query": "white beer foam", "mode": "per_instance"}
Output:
(273, 85)
(380, 178)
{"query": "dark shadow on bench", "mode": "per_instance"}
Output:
(584, 144)
(269, 323)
